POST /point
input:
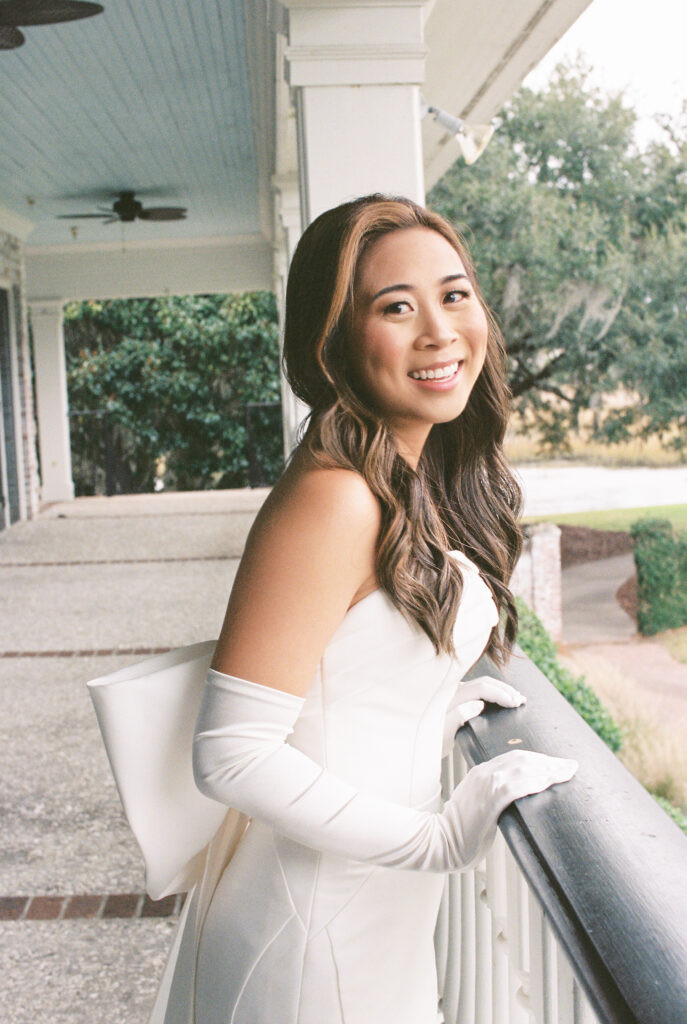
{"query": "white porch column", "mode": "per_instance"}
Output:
(357, 71)
(51, 401)
(287, 233)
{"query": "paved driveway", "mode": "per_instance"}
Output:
(550, 488)
(591, 613)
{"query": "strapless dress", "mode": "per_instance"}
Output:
(296, 936)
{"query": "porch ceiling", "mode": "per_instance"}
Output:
(150, 96)
(177, 101)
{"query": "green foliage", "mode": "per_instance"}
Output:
(579, 242)
(652, 354)
(661, 559)
(538, 645)
(174, 376)
(674, 812)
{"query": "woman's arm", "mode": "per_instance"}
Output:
(241, 758)
(308, 556)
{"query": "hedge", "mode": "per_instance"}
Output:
(661, 559)
(538, 645)
(674, 812)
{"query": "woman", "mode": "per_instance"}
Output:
(372, 579)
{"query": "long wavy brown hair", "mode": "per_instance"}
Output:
(462, 495)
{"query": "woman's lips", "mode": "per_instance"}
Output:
(441, 384)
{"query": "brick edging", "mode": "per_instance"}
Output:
(90, 652)
(88, 905)
(119, 561)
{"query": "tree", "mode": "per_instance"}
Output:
(174, 376)
(652, 345)
(559, 213)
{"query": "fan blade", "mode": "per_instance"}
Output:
(10, 38)
(163, 213)
(99, 195)
(45, 12)
(83, 216)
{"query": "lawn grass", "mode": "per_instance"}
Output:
(675, 640)
(654, 731)
(522, 444)
(617, 518)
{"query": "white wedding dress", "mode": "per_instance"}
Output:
(295, 936)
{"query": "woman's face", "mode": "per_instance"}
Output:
(419, 334)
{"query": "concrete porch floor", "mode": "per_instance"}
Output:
(80, 586)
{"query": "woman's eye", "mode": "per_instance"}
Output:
(456, 295)
(395, 308)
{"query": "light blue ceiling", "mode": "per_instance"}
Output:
(152, 96)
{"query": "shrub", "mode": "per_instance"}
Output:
(173, 381)
(538, 645)
(674, 812)
(661, 559)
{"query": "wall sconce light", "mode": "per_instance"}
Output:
(472, 139)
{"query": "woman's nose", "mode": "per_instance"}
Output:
(436, 329)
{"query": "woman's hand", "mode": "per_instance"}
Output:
(469, 701)
(472, 811)
(489, 688)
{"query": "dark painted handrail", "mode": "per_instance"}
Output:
(607, 864)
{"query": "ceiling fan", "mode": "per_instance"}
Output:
(38, 12)
(127, 209)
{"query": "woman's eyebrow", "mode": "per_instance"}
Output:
(410, 287)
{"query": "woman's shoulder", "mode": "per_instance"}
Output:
(309, 554)
(308, 492)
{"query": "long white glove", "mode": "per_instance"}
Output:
(240, 758)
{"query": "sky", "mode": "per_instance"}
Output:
(639, 46)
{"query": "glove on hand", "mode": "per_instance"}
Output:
(468, 702)
(240, 758)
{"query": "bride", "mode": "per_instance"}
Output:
(374, 577)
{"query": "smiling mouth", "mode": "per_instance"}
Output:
(440, 373)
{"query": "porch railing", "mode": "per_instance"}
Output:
(579, 913)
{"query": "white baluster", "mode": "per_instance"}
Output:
(442, 934)
(518, 943)
(462, 991)
(442, 943)
(483, 948)
(550, 977)
(496, 887)
(455, 980)
(566, 985)
(468, 962)
(537, 965)
(582, 1010)
(455, 770)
